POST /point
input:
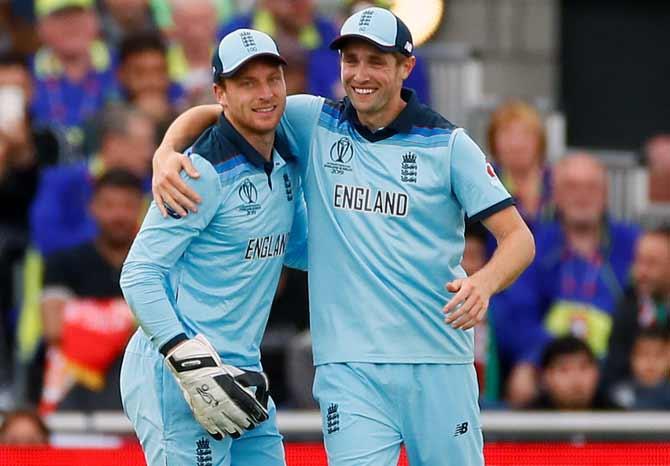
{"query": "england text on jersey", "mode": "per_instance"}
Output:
(362, 199)
(266, 247)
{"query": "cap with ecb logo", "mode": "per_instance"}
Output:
(240, 46)
(378, 26)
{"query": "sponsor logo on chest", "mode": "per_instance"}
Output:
(340, 154)
(248, 194)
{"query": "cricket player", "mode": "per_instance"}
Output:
(201, 286)
(389, 184)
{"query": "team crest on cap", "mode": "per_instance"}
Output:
(248, 41)
(364, 21)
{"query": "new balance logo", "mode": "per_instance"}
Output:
(461, 429)
(203, 454)
(332, 419)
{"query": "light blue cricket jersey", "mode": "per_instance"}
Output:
(215, 272)
(386, 221)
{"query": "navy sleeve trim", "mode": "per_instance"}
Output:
(495, 208)
(167, 347)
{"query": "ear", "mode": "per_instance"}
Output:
(407, 66)
(220, 94)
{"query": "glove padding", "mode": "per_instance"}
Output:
(225, 400)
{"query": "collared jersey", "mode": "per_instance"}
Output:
(386, 222)
(215, 272)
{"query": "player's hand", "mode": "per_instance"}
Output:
(468, 306)
(225, 400)
(172, 195)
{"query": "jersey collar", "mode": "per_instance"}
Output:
(241, 144)
(401, 124)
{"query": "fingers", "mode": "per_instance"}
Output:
(455, 286)
(188, 167)
(466, 308)
(181, 202)
(171, 207)
(158, 200)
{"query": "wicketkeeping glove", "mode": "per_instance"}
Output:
(225, 400)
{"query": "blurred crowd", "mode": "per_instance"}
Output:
(88, 88)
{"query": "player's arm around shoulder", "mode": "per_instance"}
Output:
(167, 186)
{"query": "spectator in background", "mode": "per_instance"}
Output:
(23, 427)
(569, 377)
(657, 152)
(59, 217)
(517, 140)
(162, 12)
(73, 71)
(303, 37)
(25, 150)
(646, 304)
(144, 80)
(190, 50)
(580, 270)
(649, 386)
(86, 322)
(419, 79)
(120, 18)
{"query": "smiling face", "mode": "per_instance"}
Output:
(254, 98)
(373, 79)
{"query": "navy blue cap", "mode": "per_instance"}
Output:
(240, 46)
(379, 27)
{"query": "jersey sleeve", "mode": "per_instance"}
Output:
(473, 180)
(157, 247)
(299, 122)
(296, 251)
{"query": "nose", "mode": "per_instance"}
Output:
(361, 74)
(265, 92)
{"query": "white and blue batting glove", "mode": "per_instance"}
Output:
(225, 400)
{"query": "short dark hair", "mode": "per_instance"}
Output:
(14, 59)
(141, 42)
(653, 333)
(118, 178)
(564, 346)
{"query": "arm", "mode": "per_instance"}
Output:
(167, 186)
(514, 253)
(157, 247)
(52, 318)
(483, 197)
